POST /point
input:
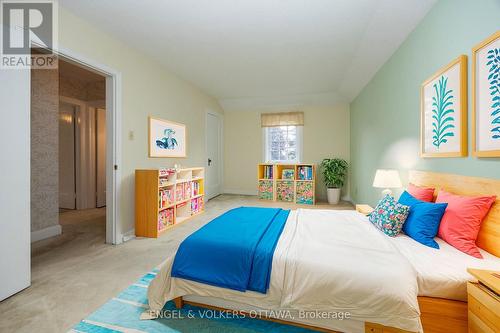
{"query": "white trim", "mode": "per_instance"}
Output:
(126, 236)
(48, 232)
(113, 138)
(239, 192)
(220, 116)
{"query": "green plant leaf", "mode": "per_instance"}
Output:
(334, 172)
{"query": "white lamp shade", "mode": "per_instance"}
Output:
(387, 178)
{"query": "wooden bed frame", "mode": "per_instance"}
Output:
(437, 315)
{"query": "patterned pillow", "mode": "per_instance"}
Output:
(389, 216)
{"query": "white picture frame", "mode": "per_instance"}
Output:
(166, 138)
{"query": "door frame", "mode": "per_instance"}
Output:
(113, 136)
(220, 116)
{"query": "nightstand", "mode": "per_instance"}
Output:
(364, 209)
(484, 301)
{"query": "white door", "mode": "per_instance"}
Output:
(67, 190)
(85, 161)
(214, 155)
(15, 179)
(101, 157)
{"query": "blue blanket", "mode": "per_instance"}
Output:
(234, 250)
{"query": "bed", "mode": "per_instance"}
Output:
(398, 271)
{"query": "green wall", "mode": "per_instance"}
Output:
(385, 116)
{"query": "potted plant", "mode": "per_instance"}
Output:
(334, 173)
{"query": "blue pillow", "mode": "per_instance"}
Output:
(422, 223)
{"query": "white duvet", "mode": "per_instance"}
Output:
(332, 261)
(442, 273)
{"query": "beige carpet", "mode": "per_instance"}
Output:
(75, 273)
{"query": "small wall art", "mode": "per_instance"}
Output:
(166, 138)
(486, 97)
(444, 111)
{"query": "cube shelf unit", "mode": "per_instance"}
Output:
(163, 201)
(298, 188)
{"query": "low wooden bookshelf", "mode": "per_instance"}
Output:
(293, 183)
(164, 200)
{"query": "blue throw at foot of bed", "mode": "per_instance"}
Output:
(234, 250)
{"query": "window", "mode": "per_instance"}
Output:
(283, 144)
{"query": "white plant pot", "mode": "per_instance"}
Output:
(333, 195)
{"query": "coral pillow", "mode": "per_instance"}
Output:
(421, 193)
(462, 220)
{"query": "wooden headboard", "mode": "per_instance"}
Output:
(489, 235)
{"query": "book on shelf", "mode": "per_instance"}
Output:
(305, 172)
(288, 174)
(195, 189)
(183, 191)
(166, 172)
(268, 172)
(166, 197)
(165, 218)
(196, 205)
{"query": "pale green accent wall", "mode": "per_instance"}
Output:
(385, 116)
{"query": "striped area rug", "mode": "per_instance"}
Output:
(121, 314)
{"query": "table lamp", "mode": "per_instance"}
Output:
(387, 179)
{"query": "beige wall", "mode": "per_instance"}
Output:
(148, 89)
(325, 134)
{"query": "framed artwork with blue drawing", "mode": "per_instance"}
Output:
(166, 138)
(443, 114)
(486, 97)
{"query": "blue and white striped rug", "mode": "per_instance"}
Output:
(121, 314)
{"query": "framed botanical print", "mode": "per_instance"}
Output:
(486, 97)
(443, 124)
(166, 138)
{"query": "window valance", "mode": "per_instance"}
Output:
(282, 119)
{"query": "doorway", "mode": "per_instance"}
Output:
(214, 135)
(68, 162)
(82, 154)
(17, 206)
(108, 186)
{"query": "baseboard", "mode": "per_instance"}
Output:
(51, 231)
(247, 192)
(239, 192)
(128, 235)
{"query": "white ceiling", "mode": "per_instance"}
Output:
(263, 53)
